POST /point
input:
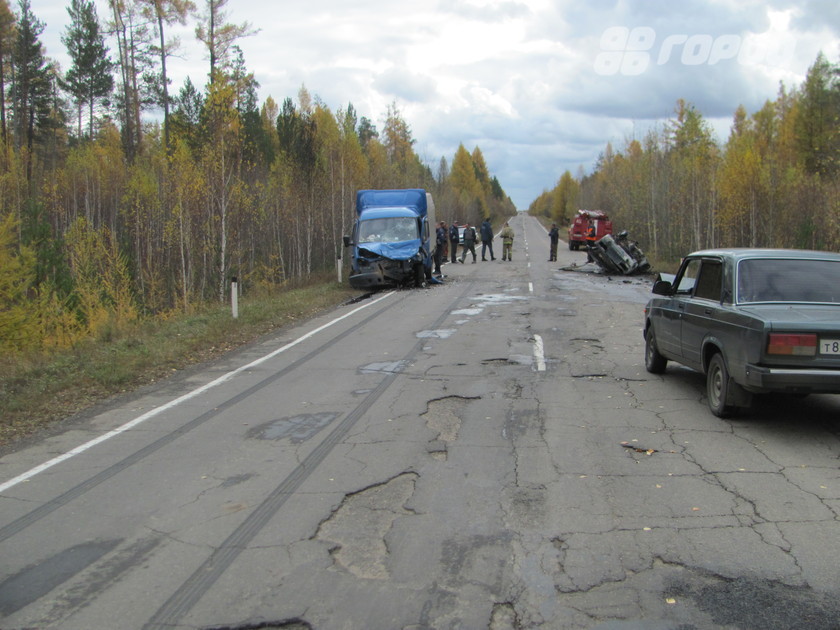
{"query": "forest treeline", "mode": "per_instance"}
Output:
(773, 183)
(110, 214)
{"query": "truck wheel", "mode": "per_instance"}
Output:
(654, 362)
(571, 245)
(419, 276)
(717, 387)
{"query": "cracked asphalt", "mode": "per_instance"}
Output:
(419, 464)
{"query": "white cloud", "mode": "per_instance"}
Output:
(518, 78)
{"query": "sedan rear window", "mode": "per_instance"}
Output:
(782, 280)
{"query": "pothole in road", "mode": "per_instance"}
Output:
(595, 343)
(504, 617)
(291, 624)
(443, 416)
(498, 361)
(357, 529)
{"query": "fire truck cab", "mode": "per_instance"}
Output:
(578, 228)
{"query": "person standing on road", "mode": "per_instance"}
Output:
(440, 241)
(507, 242)
(453, 241)
(554, 238)
(486, 240)
(469, 243)
(591, 234)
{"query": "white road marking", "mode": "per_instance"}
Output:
(173, 403)
(539, 354)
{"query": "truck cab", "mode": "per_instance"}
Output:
(580, 224)
(393, 239)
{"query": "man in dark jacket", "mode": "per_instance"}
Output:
(469, 242)
(454, 238)
(486, 240)
(553, 237)
(440, 245)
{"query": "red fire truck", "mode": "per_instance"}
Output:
(578, 228)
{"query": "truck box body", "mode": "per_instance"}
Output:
(580, 224)
(393, 238)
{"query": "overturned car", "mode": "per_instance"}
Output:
(619, 255)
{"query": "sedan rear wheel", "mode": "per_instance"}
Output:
(654, 362)
(717, 387)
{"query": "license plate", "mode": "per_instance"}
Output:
(830, 346)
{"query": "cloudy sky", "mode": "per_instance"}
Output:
(540, 86)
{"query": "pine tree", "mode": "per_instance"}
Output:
(366, 132)
(132, 34)
(163, 13)
(219, 36)
(89, 78)
(32, 89)
(186, 117)
(7, 38)
(818, 119)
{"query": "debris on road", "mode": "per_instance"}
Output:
(638, 449)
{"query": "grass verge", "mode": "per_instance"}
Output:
(37, 391)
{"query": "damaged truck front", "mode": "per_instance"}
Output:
(393, 239)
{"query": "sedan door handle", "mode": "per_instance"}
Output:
(707, 311)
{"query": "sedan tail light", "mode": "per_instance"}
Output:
(798, 345)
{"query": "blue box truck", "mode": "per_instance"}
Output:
(393, 239)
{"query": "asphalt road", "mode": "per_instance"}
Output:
(488, 453)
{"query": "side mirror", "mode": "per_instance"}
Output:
(662, 287)
(347, 242)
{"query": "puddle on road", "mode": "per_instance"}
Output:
(390, 367)
(480, 302)
(499, 298)
(296, 429)
(444, 333)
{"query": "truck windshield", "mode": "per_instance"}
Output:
(782, 280)
(388, 230)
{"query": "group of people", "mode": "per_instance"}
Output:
(448, 239)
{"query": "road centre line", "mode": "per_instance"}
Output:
(539, 353)
(177, 401)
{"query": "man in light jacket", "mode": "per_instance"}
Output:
(507, 242)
